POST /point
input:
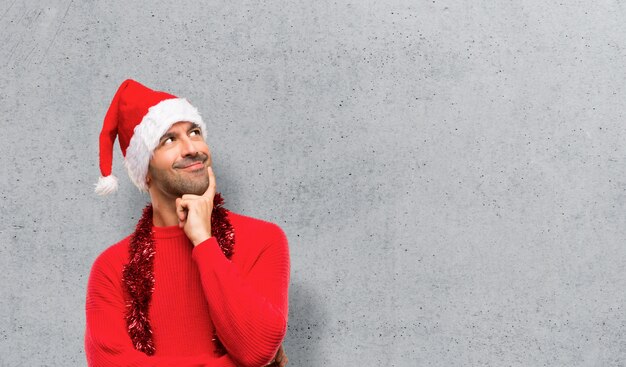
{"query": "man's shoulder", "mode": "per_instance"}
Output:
(257, 234)
(254, 236)
(254, 225)
(113, 257)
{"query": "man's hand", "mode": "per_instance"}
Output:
(194, 212)
(280, 360)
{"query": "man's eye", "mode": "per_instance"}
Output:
(196, 132)
(168, 140)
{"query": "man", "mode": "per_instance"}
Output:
(195, 284)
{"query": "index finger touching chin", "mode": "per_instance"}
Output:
(210, 191)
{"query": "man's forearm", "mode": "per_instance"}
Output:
(249, 312)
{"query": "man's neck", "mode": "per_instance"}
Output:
(164, 213)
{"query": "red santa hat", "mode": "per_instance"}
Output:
(138, 117)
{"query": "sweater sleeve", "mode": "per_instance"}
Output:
(107, 342)
(249, 307)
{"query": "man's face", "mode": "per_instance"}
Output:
(179, 162)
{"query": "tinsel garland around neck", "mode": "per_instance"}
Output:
(138, 274)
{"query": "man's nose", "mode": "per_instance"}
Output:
(188, 147)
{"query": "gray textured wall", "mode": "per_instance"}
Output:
(450, 175)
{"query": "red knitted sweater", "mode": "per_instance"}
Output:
(197, 290)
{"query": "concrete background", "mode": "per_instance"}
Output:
(450, 175)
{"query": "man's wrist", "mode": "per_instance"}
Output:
(200, 239)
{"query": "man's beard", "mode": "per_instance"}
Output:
(180, 183)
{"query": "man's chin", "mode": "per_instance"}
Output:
(194, 189)
(197, 193)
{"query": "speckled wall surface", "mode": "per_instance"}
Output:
(450, 175)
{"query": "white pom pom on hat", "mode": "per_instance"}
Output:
(106, 185)
(138, 116)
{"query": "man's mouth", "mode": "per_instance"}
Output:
(193, 166)
(192, 163)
